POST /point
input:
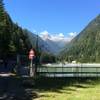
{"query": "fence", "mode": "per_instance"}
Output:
(70, 70)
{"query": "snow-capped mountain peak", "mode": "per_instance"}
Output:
(55, 42)
(48, 42)
(44, 35)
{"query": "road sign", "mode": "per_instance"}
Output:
(31, 54)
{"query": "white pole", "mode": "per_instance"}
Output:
(31, 69)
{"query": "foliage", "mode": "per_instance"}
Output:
(47, 58)
(86, 46)
(13, 39)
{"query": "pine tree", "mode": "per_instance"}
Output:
(1, 11)
(5, 31)
(13, 39)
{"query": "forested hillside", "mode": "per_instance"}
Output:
(85, 47)
(17, 41)
(13, 39)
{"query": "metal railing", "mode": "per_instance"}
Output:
(69, 71)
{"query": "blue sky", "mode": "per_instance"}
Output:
(53, 16)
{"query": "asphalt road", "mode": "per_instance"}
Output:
(16, 88)
(12, 87)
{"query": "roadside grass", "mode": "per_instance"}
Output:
(68, 88)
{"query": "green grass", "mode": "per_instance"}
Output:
(50, 88)
(68, 89)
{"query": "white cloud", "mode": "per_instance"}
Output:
(57, 37)
(72, 34)
(44, 33)
(61, 35)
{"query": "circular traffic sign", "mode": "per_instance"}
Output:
(31, 54)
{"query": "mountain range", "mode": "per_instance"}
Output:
(85, 47)
(47, 44)
(14, 40)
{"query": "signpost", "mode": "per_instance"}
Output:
(31, 56)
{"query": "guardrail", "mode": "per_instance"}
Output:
(69, 71)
